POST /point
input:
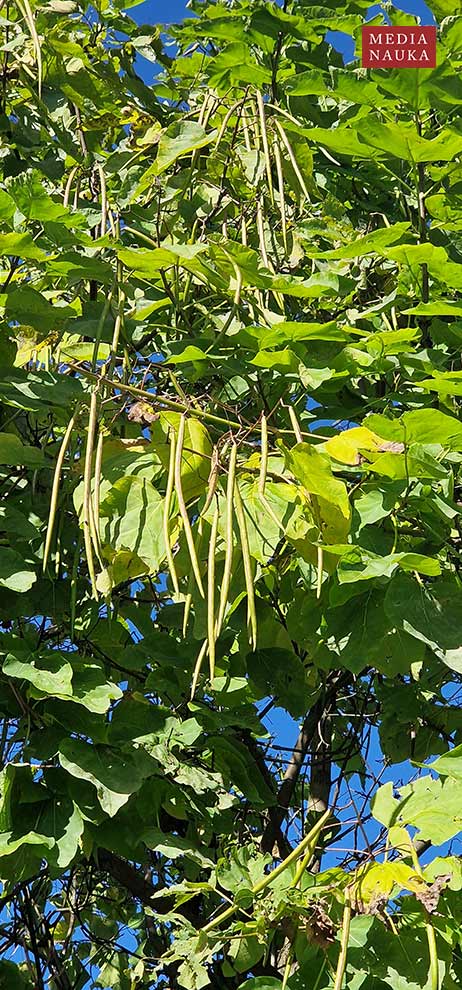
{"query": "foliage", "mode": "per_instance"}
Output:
(230, 457)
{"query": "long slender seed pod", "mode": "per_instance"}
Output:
(112, 224)
(245, 130)
(119, 320)
(226, 580)
(190, 584)
(100, 327)
(212, 481)
(342, 959)
(267, 505)
(87, 476)
(58, 545)
(238, 290)
(182, 506)
(288, 967)
(95, 535)
(166, 514)
(211, 592)
(26, 10)
(264, 455)
(102, 179)
(247, 562)
(243, 232)
(198, 668)
(254, 124)
(282, 198)
(226, 120)
(76, 194)
(295, 424)
(269, 878)
(261, 234)
(203, 109)
(320, 571)
(264, 137)
(430, 931)
(74, 575)
(293, 160)
(55, 486)
(67, 190)
(97, 483)
(187, 610)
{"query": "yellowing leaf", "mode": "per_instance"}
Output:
(346, 446)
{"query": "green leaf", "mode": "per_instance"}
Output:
(427, 613)
(50, 673)
(261, 983)
(21, 246)
(133, 509)
(314, 472)
(450, 764)
(280, 672)
(16, 573)
(13, 451)
(180, 139)
(115, 776)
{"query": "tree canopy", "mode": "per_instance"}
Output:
(230, 449)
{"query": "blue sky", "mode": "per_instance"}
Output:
(280, 724)
(163, 11)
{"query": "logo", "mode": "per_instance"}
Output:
(399, 47)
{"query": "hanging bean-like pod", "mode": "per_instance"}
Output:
(226, 580)
(263, 455)
(26, 12)
(198, 668)
(87, 479)
(104, 206)
(183, 509)
(211, 629)
(212, 481)
(55, 487)
(293, 160)
(166, 513)
(247, 562)
(68, 187)
(264, 137)
(295, 424)
(282, 199)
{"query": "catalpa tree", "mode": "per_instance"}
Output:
(231, 454)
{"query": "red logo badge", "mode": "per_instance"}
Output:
(399, 47)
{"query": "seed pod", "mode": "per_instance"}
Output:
(55, 487)
(87, 477)
(261, 234)
(293, 160)
(211, 592)
(102, 180)
(264, 455)
(226, 580)
(182, 507)
(166, 514)
(245, 130)
(198, 667)
(68, 187)
(212, 481)
(282, 199)
(226, 120)
(295, 424)
(247, 562)
(264, 137)
(97, 483)
(26, 11)
(320, 570)
(74, 575)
